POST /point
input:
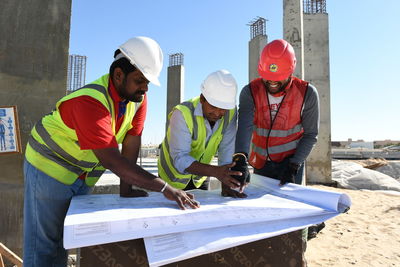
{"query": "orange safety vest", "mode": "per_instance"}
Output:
(278, 138)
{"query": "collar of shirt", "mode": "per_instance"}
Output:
(198, 111)
(119, 103)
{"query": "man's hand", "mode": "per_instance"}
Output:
(240, 160)
(288, 174)
(181, 197)
(225, 175)
(228, 192)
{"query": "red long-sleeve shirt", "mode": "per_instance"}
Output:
(92, 121)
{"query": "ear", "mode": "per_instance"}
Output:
(202, 99)
(118, 76)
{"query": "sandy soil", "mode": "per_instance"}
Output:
(367, 235)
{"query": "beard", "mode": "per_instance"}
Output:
(213, 117)
(136, 97)
(276, 87)
(279, 87)
(133, 97)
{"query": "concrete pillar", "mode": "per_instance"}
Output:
(33, 67)
(256, 46)
(258, 40)
(293, 31)
(175, 83)
(316, 64)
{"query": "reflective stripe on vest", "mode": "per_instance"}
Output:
(278, 133)
(96, 173)
(275, 149)
(47, 153)
(166, 167)
(190, 106)
(278, 138)
(99, 88)
(56, 148)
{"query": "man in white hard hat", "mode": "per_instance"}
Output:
(71, 147)
(197, 130)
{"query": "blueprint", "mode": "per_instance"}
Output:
(169, 248)
(268, 210)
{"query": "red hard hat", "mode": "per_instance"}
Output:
(277, 61)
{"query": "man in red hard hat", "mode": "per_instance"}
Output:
(278, 117)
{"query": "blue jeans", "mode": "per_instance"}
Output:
(46, 202)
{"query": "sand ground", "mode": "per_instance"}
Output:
(367, 235)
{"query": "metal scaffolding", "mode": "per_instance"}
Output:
(258, 27)
(76, 73)
(314, 6)
(175, 59)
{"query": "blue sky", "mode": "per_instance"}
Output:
(213, 34)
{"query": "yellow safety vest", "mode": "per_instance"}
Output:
(53, 147)
(201, 150)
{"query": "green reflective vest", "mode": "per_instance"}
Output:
(53, 147)
(201, 150)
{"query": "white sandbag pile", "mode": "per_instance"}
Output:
(354, 176)
(392, 169)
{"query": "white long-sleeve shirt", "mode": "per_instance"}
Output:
(181, 139)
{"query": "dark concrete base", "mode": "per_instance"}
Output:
(280, 251)
(11, 220)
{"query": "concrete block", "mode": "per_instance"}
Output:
(11, 220)
(33, 69)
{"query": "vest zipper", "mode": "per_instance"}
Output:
(272, 122)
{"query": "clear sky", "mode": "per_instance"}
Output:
(213, 34)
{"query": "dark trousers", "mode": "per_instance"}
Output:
(203, 186)
(274, 169)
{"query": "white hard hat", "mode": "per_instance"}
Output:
(219, 89)
(146, 55)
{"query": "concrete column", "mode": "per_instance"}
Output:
(175, 87)
(256, 46)
(33, 67)
(316, 64)
(293, 31)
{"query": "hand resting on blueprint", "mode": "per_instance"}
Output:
(181, 197)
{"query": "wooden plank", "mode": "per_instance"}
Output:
(1, 261)
(11, 256)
